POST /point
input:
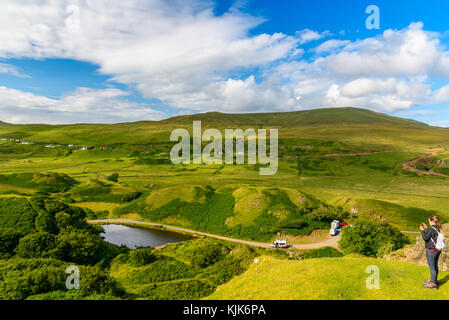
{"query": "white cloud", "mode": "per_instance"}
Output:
(13, 70)
(411, 51)
(330, 45)
(168, 50)
(84, 105)
(181, 53)
(308, 35)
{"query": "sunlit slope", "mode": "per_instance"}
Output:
(330, 279)
(344, 124)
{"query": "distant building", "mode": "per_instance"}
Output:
(26, 142)
(83, 148)
(3, 139)
(49, 146)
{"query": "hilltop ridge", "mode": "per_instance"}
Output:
(349, 125)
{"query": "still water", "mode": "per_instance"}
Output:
(134, 237)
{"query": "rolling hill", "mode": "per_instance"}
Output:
(330, 279)
(349, 125)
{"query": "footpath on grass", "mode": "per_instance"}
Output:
(330, 242)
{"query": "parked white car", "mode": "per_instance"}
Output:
(334, 227)
(279, 244)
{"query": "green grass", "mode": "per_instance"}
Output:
(330, 279)
(403, 218)
(350, 125)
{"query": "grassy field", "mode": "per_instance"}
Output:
(344, 163)
(330, 279)
(140, 156)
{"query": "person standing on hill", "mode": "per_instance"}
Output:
(430, 236)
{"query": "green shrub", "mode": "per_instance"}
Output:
(19, 285)
(79, 246)
(293, 224)
(371, 237)
(131, 196)
(38, 245)
(9, 239)
(96, 281)
(180, 290)
(17, 214)
(141, 257)
(45, 222)
(327, 214)
(113, 177)
(162, 270)
(206, 255)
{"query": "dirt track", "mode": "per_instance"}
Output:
(330, 242)
(410, 166)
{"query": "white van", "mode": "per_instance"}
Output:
(334, 227)
(279, 244)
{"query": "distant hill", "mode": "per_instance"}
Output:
(349, 125)
(329, 116)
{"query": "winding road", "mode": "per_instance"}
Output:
(329, 242)
(411, 166)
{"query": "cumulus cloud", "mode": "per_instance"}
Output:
(83, 106)
(308, 35)
(390, 72)
(172, 51)
(184, 55)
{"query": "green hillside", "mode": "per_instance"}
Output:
(349, 125)
(330, 279)
(254, 213)
(404, 218)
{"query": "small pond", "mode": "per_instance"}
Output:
(134, 237)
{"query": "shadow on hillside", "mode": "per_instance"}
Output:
(443, 281)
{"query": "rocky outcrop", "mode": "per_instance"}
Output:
(416, 253)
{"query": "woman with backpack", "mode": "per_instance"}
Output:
(433, 249)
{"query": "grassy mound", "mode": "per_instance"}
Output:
(103, 191)
(330, 278)
(54, 182)
(404, 218)
(245, 212)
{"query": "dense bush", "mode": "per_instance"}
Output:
(20, 278)
(17, 214)
(19, 285)
(163, 270)
(113, 177)
(79, 246)
(96, 281)
(327, 214)
(38, 245)
(131, 196)
(371, 238)
(9, 239)
(293, 224)
(206, 255)
(45, 222)
(141, 257)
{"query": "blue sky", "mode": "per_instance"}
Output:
(70, 61)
